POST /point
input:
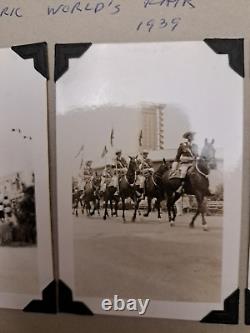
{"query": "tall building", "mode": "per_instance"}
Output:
(152, 127)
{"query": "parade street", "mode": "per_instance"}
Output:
(148, 259)
(19, 270)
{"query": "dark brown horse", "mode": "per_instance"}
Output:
(196, 183)
(154, 188)
(128, 188)
(91, 195)
(109, 196)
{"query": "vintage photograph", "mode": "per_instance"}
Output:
(23, 182)
(149, 140)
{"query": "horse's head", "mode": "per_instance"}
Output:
(133, 163)
(208, 154)
(164, 166)
(97, 181)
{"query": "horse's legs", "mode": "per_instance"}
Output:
(204, 222)
(199, 198)
(116, 207)
(149, 207)
(169, 208)
(105, 209)
(98, 206)
(137, 201)
(123, 209)
(111, 207)
(158, 205)
(94, 207)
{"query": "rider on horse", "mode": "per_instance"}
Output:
(186, 155)
(145, 169)
(88, 173)
(106, 177)
(120, 167)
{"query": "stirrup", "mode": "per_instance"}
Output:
(180, 189)
(138, 194)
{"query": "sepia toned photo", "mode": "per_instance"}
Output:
(149, 177)
(24, 201)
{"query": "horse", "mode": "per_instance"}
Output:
(196, 183)
(91, 194)
(128, 188)
(153, 188)
(109, 196)
(76, 198)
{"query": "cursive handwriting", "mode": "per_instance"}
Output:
(170, 3)
(11, 12)
(95, 7)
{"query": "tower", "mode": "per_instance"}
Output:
(152, 127)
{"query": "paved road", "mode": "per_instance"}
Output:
(18, 270)
(148, 259)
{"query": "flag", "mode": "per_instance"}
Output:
(112, 137)
(104, 152)
(80, 150)
(81, 163)
(140, 139)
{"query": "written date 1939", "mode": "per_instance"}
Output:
(163, 23)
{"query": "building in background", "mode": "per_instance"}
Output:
(152, 127)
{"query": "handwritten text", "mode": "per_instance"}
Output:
(170, 3)
(162, 23)
(11, 12)
(95, 7)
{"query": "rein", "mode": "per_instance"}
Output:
(154, 182)
(126, 178)
(199, 171)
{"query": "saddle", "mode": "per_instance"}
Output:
(177, 173)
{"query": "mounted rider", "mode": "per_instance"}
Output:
(186, 155)
(88, 173)
(145, 169)
(106, 177)
(120, 168)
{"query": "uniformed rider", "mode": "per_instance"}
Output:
(145, 169)
(88, 173)
(107, 175)
(120, 168)
(186, 154)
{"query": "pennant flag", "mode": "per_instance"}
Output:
(81, 163)
(104, 152)
(112, 138)
(80, 150)
(140, 139)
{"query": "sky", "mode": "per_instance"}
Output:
(21, 97)
(201, 92)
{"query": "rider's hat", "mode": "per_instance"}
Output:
(108, 165)
(188, 134)
(89, 162)
(118, 152)
(145, 151)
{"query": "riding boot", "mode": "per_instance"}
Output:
(138, 194)
(181, 187)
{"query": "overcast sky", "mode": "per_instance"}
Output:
(22, 96)
(200, 89)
